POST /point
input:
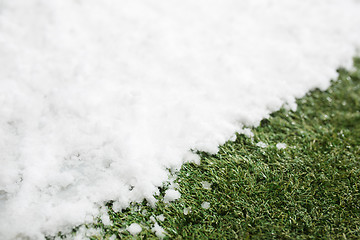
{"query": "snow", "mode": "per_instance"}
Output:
(171, 195)
(134, 229)
(261, 144)
(98, 99)
(158, 230)
(81, 234)
(206, 185)
(105, 219)
(187, 210)
(112, 237)
(281, 146)
(161, 217)
(205, 205)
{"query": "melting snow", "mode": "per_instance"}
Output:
(98, 99)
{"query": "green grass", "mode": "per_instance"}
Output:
(310, 190)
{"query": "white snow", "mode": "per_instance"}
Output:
(187, 210)
(205, 205)
(98, 99)
(112, 237)
(158, 230)
(82, 233)
(106, 220)
(171, 195)
(134, 229)
(261, 144)
(161, 217)
(281, 146)
(206, 185)
(104, 216)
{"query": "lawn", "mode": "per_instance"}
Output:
(308, 190)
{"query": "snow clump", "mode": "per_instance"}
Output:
(261, 144)
(171, 195)
(160, 217)
(187, 210)
(281, 146)
(158, 230)
(205, 205)
(206, 185)
(134, 229)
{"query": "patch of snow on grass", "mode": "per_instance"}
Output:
(187, 210)
(261, 144)
(112, 237)
(105, 219)
(205, 205)
(281, 146)
(206, 185)
(134, 229)
(158, 230)
(98, 99)
(160, 217)
(82, 233)
(171, 195)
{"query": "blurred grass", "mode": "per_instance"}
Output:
(309, 190)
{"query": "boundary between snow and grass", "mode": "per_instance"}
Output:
(297, 177)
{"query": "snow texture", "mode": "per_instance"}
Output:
(206, 185)
(105, 219)
(134, 229)
(187, 210)
(205, 205)
(281, 146)
(158, 230)
(171, 195)
(261, 144)
(161, 217)
(99, 98)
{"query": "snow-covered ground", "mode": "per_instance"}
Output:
(98, 98)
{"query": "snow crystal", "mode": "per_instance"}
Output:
(206, 185)
(261, 144)
(160, 217)
(205, 205)
(134, 229)
(280, 146)
(187, 210)
(171, 195)
(158, 230)
(98, 99)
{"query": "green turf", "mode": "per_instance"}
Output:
(310, 190)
